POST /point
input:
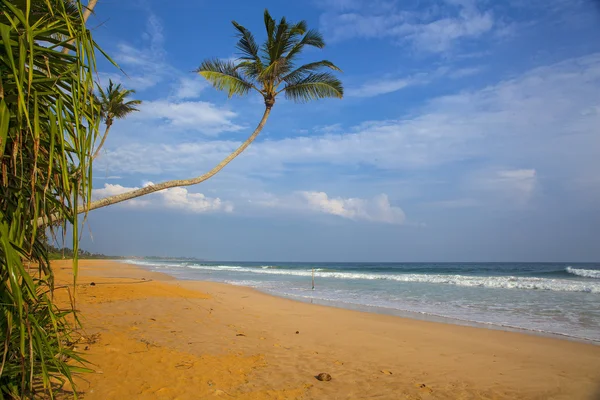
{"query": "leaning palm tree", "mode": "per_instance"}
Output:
(269, 70)
(113, 105)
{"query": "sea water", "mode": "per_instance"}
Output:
(553, 298)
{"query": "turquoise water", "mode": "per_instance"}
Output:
(554, 298)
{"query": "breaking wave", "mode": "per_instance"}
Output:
(586, 273)
(499, 282)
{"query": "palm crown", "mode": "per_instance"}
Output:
(113, 104)
(271, 68)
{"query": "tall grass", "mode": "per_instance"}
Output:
(48, 123)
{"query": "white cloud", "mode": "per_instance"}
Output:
(178, 198)
(390, 84)
(385, 85)
(154, 34)
(143, 67)
(189, 88)
(546, 119)
(376, 209)
(440, 35)
(436, 30)
(464, 72)
(191, 115)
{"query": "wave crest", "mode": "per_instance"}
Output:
(586, 273)
(498, 282)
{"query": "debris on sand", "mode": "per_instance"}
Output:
(323, 377)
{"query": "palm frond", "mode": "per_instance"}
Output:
(314, 86)
(246, 43)
(312, 38)
(280, 38)
(299, 28)
(270, 26)
(266, 66)
(121, 110)
(274, 70)
(250, 69)
(224, 75)
(301, 72)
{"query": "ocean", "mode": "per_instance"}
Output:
(547, 298)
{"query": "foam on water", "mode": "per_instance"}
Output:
(498, 282)
(553, 298)
(586, 273)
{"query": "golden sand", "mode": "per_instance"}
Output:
(153, 337)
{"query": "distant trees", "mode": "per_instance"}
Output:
(59, 253)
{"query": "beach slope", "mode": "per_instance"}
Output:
(152, 337)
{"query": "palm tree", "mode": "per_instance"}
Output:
(113, 105)
(270, 70)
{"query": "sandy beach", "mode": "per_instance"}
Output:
(150, 336)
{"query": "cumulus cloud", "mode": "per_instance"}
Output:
(177, 198)
(376, 209)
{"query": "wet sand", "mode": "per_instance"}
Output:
(152, 337)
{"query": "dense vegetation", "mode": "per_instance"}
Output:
(48, 125)
(57, 253)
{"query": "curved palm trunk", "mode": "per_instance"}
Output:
(179, 182)
(107, 201)
(174, 183)
(108, 125)
(89, 8)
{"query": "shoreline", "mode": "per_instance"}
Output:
(400, 313)
(424, 316)
(271, 347)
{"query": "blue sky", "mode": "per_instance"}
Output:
(469, 131)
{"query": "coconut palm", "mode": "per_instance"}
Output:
(269, 69)
(113, 105)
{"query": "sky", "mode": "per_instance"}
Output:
(469, 131)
